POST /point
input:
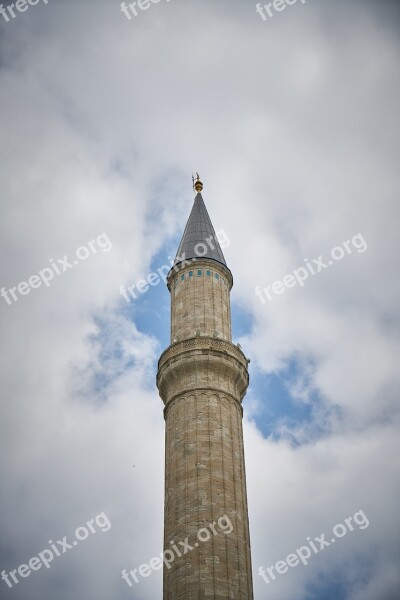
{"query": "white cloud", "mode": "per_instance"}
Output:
(292, 125)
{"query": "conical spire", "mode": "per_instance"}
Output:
(199, 239)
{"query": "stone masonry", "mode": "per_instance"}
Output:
(202, 379)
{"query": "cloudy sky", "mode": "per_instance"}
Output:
(292, 122)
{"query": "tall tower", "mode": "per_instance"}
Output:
(202, 379)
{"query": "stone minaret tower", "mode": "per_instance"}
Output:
(202, 378)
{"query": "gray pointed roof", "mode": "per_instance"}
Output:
(197, 230)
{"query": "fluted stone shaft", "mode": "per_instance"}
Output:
(202, 379)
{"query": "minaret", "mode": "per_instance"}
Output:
(202, 379)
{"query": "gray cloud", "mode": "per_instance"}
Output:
(293, 126)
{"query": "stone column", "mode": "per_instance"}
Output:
(202, 378)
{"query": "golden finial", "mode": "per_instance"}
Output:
(197, 185)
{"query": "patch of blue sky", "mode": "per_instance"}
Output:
(273, 404)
